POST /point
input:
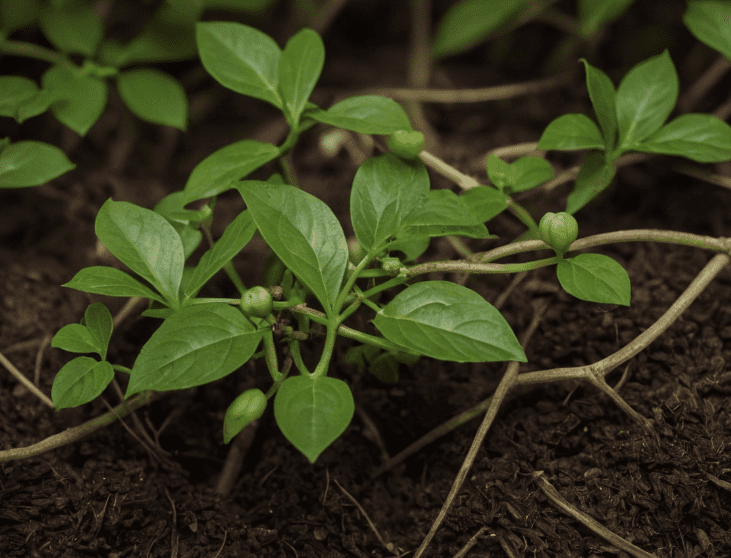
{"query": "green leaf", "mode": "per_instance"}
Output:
(645, 98)
(444, 213)
(485, 202)
(367, 114)
(603, 99)
(17, 15)
(198, 345)
(448, 322)
(595, 174)
(168, 36)
(523, 174)
(79, 100)
(30, 163)
(469, 22)
(299, 70)
(595, 278)
(237, 235)
(499, 172)
(708, 21)
(241, 58)
(571, 131)
(72, 28)
(154, 96)
(385, 191)
(146, 243)
(592, 14)
(218, 172)
(385, 368)
(98, 320)
(411, 247)
(313, 413)
(701, 137)
(303, 232)
(17, 91)
(111, 282)
(76, 338)
(80, 381)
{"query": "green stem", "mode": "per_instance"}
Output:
(521, 213)
(31, 50)
(232, 301)
(282, 376)
(270, 353)
(294, 348)
(351, 280)
(395, 282)
(479, 268)
(351, 333)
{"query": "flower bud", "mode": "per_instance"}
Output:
(559, 231)
(246, 408)
(406, 143)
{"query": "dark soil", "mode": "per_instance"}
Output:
(108, 496)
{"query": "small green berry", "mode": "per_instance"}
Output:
(559, 231)
(246, 408)
(406, 143)
(257, 302)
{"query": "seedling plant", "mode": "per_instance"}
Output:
(315, 278)
(393, 209)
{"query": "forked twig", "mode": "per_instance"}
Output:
(557, 500)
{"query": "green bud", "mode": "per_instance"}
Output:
(392, 266)
(257, 302)
(559, 231)
(245, 409)
(406, 143)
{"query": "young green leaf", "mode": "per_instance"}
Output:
(237, 235)
(98, 320)
(499, 172)
(241, 58)
(700, 137)
(594, 176)
(595, 278)
(368, 114)
(73, 28)
(80, 381)
(76, 338)
(592, 14)
(299, 69)
(198, 345)
(17, 91)
(30, 163)
(167, 37)
(79, 100)
(313, 413)
(469, 22)
(411, 247)
(386, 189)
(444, 213)
(571, 131)
(446, 321)
(485, 202)
(523, 174)
(146, 243)
(111, 282)
(603, 99)
(218, 172)
(708, 21)
(154, 96)
(303, 232)
(91, 336)
(645, 98)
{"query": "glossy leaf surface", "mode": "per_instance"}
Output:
(446, 321)
(313, 413)
(303, 232)
(595, 278)
(198, 345)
